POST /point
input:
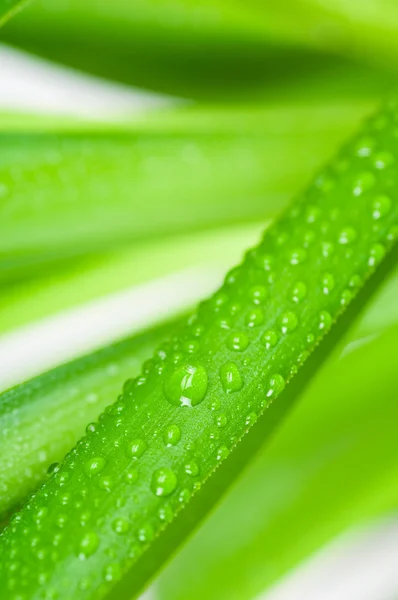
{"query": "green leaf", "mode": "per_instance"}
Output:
(8, 8)
(262, 330)
(221, 49)
(37, 313)
(66, 193)
(43, 418)
(331, 466)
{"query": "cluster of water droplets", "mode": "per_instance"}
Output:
(202, 390)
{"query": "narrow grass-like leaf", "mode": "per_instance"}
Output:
(151, 452)
(68, 193)
(329, 467)
(8, 8)
(43, 418)
(213, 50)
(86, 279)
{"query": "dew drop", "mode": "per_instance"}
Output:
(265, 261)
(325, 320)
(364, 182)
(354, 282)
(238, 341)
(112, 572)
(346, 297)
(347, 235)
(328, 283)
(166, 513)
(88, 544)
(312, 214)
(171, 435)
(382, 160)
(136, 448)
(376, 254)
(120, 526)
(299, 292)
(230, 376)
(192, 469)
(364, 147)
(222, 453)
(298, 256)
(164, 482)
(289, 322)
(254, 317)
(270, 339)
(275, 385)
(184, 496)
(94, 466)
(258, 294)
(381, 206)
(105, 483)
(221, 420)
(251, 419)
(53, 468)
(187, 386)
(327, 249)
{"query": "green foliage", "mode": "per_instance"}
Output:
(329, 467)
(59, 187)
(219, 49)
(200, 393)
(8, 8)
(42, 419)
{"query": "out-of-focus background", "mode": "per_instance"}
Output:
(203, 120)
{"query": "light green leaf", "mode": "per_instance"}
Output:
(66, 193)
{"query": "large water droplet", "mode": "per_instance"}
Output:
(136, 448)
(299, 292)
(325, 320)
(94, 466)
(289, 322)
(120, 526)
(192, 468)
(376, 254)
(164, 482)
(275, 385)
(327, 283)
(270, 339)
(364, 182)
(238, 341)
(231, 378)
(298, 256)
(112, 572)
(187, 386)
(347, 235)
(171, 435)
(381, 206)
(88, 544)
(258, 294)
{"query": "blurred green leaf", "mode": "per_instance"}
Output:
(66, 193)
(8, 8)
(221, 49)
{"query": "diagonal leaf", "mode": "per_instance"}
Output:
(330, 466)
(315, 269)
(42, 419)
